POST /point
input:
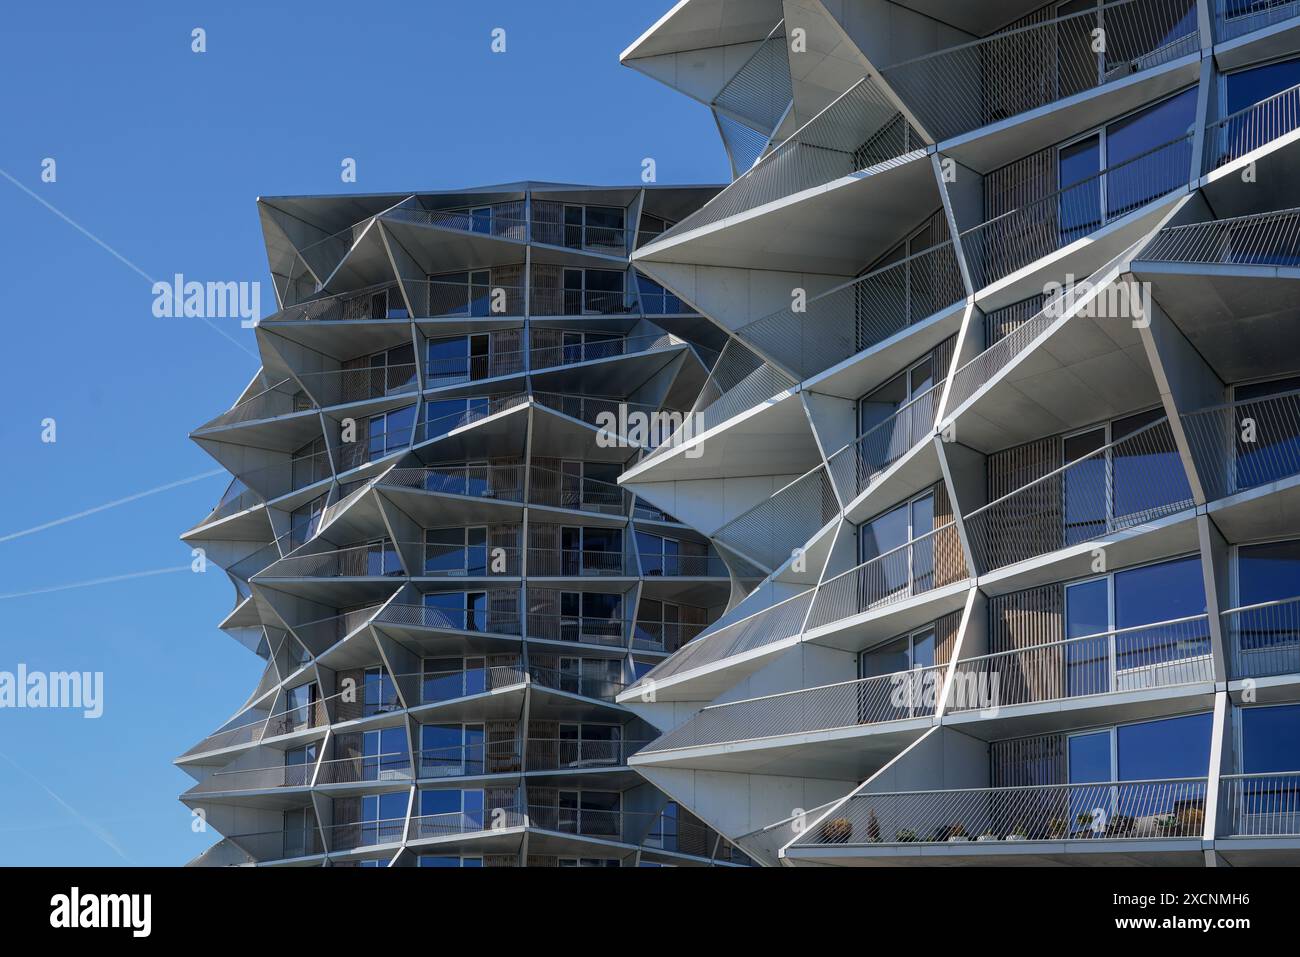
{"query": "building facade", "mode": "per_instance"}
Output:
(429, 547)
(1007, 415)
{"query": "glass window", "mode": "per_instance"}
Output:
(1170, 748)
(1270, 739)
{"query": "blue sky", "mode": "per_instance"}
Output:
(160, 154)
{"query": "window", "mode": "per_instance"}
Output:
(390, 431)
(444, 860)
(456, 551)
(383, 818)
(901, 539)
(590, 677)
(594, 292)
(659, 624)
(1264, 639)
(379, 692)
(300, 835)
(593, 813)
(901, 654)
(590, 551)
(594, 227)
(1120, 475)
(441, 416)
(904, 698)
(386, 373)
(304, 520)
(450, 750)
(300, 707)
(299, 764)
(1274, 446)
(447, 678)
(584, 745)
(591, 616)
(459, 359)
(450, 811)
(1133, 175)
(656, 300)
(659, 555)
(465, 611)
(384, 756)
(1108, 648)
(461, 293)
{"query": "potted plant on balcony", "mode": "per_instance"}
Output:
(837, 831)
(1167, 825)
(988, 835)
(1084, 824)
(1120, 825)
(905, 836)
(1018, 832)
(873, 826)
(1191, 821)
(957, 833)
(1057, 828)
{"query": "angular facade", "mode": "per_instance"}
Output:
(428, 544)
(1007, 415)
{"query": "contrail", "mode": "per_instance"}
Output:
(96, 581)
(113, 504)
(99, 832)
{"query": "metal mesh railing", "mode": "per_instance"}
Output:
(581, 302)
(1260, 239)
(576, 682)
(769, 532)
(1248, 129)
(656, 565)
(893, 697)
(488, 757)
(860, 129)
(503, 220)
(927, 562)
(1263, 639)
(573, 562)
(286, 397)
(963, 88)
(501, 482)
(845, 320)
(359, 834)
(361, 768)
(1126, 659)
(1130, 482)
(1259, 805)
(759, 93)
(663, 636)
(1019, 237)
(491, 621)
(475, 410)
(546, 357)
(856, 465)
(1117, 810)
(1236, 18)
(1245, 444)
(776, 623)
(255, 779)
(447, 298)
(265, 846)
(556, 754)
(577, 628)
(380, 301)
(455, 370)
(360, 561)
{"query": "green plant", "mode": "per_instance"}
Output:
(837, 831)
(873, 826)
(1056, 827)
(905, 836)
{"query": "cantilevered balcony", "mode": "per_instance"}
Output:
(574, 563)
(473, 760)
(465, 561)
(393, 767)
(266, 778)
(925, 564)
(1246, 445)
(268, 846)
(857, 315)
(986, 81)
(285, 397)
(1020, 237)
(1134, 481)
(665, 636)
(573, 754)
(1052, 820)
(578, 629)
(487, 621)
(437, 686)
(585, 685)
(506, 220)
(1263, 639)
(499, 482)
(658, 565)
(860, 129)
(441, 372)
(1258, 239)
(1259, 805)
(477, 409)
(378, 560)
(549, 487)
(465, 823)
(381, 302)
(809, 713)
(547, 357)
(1088, 671)
(855, 466)
(453, 299)
(1248, 129)
(1237, 18)
(362, 834)
(547, 302)
(768, 533)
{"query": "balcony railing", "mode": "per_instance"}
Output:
(1115, 810)
(858, 464)
(359, 561)
(361, 834)
(860, 129)
(341, 386)
(1245, 444)
(503, 220)
(358, 769)
(547, 357)
(1260, 239)
(1158, 655)
(1248, 129)
(963, 88)
(575, 682)
(285, 397)
(1133, 481)
(573, 563)
(1259, 805)
(566, 490)
(610, 240)
(478, 408)
(501, 482)
(256, 779)
(461, 561)
(656, 565)
(1263, 639)
(663, 635)
(491, 757)
(1235, 18)
(265, 846)
(381, 301)
(619, 420)
(927, 562)
(455, 823)
(248, 732)
(236, 499)
(843, 321)
(576, 628)
(447, 299)
(458, 370)
(581, 302)
(435, 687)
(1001, 246)
(769, 532)
(775, 623)
(488, 621)
(847, 704)
(570, 754)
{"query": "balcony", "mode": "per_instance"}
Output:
(435, 687)
(1084, 670)
(1129, 483)
(440, 373)
(574, 563)
(987, 81)
(1259, 239)
(683, 566)
(359, 561)
(923, 565)
(571, 754)
(487, 621)
(1231, 460)
(577, 629)
(477, 409)
(465, 823)
(267, 846)
(664, 636)
(549, 357)
(254, 779)
(362, 834)
(549, 487)
(475, 760)
(616, 420)
(854, 467)
(506, 220)
(546, 302)
(1048, 821)
(1259, 805)
(391, 768)
(574, 682)
(790, 518)
(999, 247)
(858, 315)
(461, 561)
(1263, 640)
(380, 302)
(1248, 129)
(810, 713)
(1237, 18)
(449, 299)
(500, 482)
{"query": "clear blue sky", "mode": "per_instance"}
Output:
(160, 154)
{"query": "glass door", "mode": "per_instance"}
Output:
(1090, 660)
